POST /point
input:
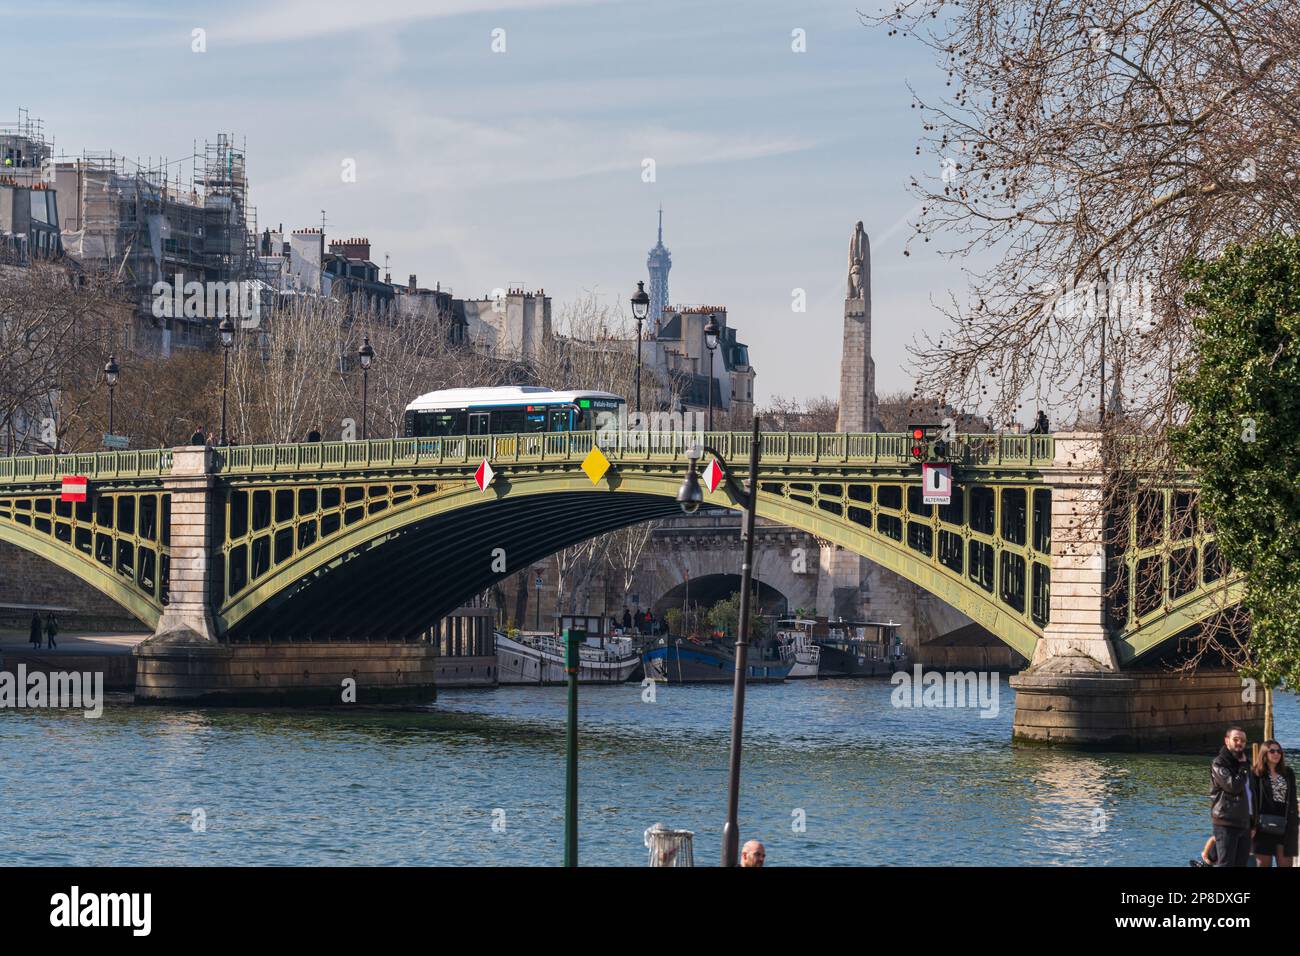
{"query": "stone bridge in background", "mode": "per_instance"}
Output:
(248, 562)
(697, 558)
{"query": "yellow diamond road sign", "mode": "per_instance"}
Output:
(595, 465)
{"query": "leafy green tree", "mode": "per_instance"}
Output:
(725, 617)
(1243, 434)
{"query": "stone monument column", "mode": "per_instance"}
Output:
(858, 411)
(839, 587)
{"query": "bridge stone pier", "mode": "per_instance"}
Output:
(185, 662)
(1075, 692)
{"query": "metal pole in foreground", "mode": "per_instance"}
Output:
(571, 640)
(731, 831)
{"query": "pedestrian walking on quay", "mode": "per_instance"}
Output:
(51, 629)
(627, 620)
(34, 636)
(1232, 809)
(1277, 824)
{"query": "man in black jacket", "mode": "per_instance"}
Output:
(1231, 812)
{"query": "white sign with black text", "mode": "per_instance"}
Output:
(936, 484)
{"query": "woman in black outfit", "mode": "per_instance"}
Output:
(1273, 796)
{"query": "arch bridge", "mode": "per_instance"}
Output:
(346, 541)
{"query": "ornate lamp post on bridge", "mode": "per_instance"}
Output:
(690, 497)
(110, 377)
(640, 309)
(711, 334)
(1103, 294)
(537, 582)
(367, 355)
(227, 331)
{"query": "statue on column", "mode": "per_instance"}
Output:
(858, 252)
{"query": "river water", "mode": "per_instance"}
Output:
(833, 774)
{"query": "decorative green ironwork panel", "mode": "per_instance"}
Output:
(266, 526)
(1165, 572)
(116, 539)
(995, 538)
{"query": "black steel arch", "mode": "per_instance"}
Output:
(386, 592)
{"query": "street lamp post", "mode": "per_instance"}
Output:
(711, 333)
(1103, 291)
(227, 331)
(110, 376)
(537, 573)
(690, 497)
(640, 309)
(367, 355)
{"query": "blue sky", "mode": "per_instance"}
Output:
(480, 169)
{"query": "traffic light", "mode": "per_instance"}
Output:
(927, 443)
(919, 449)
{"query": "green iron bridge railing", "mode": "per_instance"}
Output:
(803, 447)
(154, 463)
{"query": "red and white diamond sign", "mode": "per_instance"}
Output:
(484, 475)
(74, 488)
(713, 474)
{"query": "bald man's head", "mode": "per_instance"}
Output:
(753, 854)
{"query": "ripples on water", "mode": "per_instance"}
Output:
(876, 784)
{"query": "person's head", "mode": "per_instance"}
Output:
(753, 854)
(1270, 757)
(1235, 740)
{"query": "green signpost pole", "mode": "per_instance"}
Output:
(572, 639)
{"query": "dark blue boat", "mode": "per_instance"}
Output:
(681, 661)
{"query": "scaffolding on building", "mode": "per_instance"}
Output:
(145, 223)
(23, 144)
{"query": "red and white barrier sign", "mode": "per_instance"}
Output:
(713, 474)
(74, 488)
(483, 477)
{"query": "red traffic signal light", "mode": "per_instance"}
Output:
(927, 442)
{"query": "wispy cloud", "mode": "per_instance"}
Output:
(466, 154)
(289, 21)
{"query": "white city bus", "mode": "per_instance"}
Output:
(508, 410)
